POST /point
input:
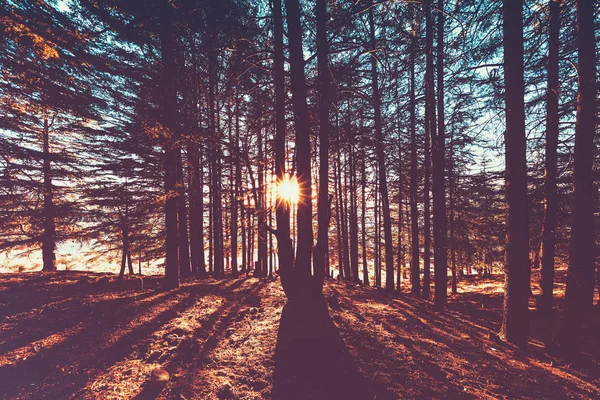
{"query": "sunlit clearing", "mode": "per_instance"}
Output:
(288, 190)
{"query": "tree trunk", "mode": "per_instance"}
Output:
(452, 242)
(184, 243)
(439, 190)
(194, 193)
(515, 321)
(324, 100)
(338, 218)
(125, 235)
(353, 218)
(385, 203)
(415, 280)
(200, 203)
(194, 175)
(363, 213)
(211, 240)
(236, 189)
(215, 159)
(552, 132)
(377, 255)
(301, 121)
(243, 226)
(49, 236)
(430, 135)
(282, 213)
(261, 209)
(400, 223)
(580, 282)
(344, 223)
(169, 110)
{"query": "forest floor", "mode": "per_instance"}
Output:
(75, 335)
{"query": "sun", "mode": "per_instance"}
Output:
(288, 190)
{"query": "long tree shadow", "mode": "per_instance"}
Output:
(191, 354)
(312, 361)
(434, 350)
(81, 352)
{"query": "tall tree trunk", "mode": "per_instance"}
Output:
(236, 178)
(400, 186)
(126, 258)
(211, 241)
(194, 171)
(270, 233)
(552, 120)
(440, 232)
(184, 243)
(301, 120)
(452, 242)
(377, 256)
(251, 235)
(385, 203)
(215, 157)
(243, 224)
(194, 193)
(49, 236)
(344, 222)
(580, 282)
(169, 111)
(200, 202)
(353, 218)
(338, 218)
(430, 135)
(400, 225)
(261, 209)
(348, 213)
(415, 280)
(324, 100)
(363, 213)
(285, 251)
(125, 237)
(515, 321)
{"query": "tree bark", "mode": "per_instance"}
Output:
(261, 209)
(363, 213)
(338, 218)
(285, 251)
(200, 202)
(236, 189)
(385, 203)
(49, 235)
(184, 243)
(353, 218)
(169, 110)
(552, 132)
(452, 241)
(515, 321)
(343, 220)
(440, 232)
(415, 279)
(324, 100)
(580, 282)
(194, 193)
(430, 135)
(301, 120)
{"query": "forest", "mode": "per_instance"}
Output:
(299, 199)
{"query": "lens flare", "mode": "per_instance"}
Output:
(288, 190)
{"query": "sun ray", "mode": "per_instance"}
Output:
(288, 190)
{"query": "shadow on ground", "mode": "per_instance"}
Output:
(90, 336)
(312, 361)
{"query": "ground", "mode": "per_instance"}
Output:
(76, 335)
